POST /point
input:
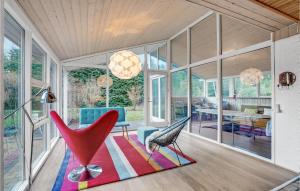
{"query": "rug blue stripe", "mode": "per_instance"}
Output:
(62, 171)
(173, 155)
(118, 162)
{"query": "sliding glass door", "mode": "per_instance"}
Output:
(247, 101)
(158, 98)
(204, 113)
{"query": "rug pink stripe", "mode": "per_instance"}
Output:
(157, 156)
(140, 165)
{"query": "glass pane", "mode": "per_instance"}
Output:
(38, 108)
(179, 51)
(38, 74)
(86, 87)
(179, 95)
(266, 85)
(13, 83)
(155, 100)
(237, 34)
(153, 60)
(130, 95)
(163, 95)
(162, 57)
(158, 97)
(39, 143)
(211, 88)
(53, 106)
(204, 104)
(204, 39)
(38, 62)
(246, 116)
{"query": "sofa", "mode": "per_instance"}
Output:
(89, 115)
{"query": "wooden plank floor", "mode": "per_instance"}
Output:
(217, 168)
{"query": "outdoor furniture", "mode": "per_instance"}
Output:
(90, 115)
(169, 135)
(84, 143)
(235, 116)
(144, 132)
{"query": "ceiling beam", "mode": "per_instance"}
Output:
(248, 11)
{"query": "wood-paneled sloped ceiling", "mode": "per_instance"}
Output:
(75, 28)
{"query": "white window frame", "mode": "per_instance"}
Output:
(220, 56)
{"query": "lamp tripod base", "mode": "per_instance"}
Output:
(84, 173)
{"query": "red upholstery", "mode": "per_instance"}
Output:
(85, 142)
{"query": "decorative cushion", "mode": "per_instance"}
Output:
(267, 111)
(250, 111)
(144, 132)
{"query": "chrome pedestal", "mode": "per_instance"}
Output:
(84, 173)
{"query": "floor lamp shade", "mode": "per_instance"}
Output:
(48, 96)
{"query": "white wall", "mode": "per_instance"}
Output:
(287, 123)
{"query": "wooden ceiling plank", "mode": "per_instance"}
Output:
(102, 14)
(39, 7)
(91, 23)
(62, 22)
(261, 9)
(50, 16)
(278, 11)
(233, 14)
(245, 12)
(290, 8)
(48, 36)
(68, 12)
(84, 25)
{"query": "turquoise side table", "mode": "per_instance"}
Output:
(144, 132)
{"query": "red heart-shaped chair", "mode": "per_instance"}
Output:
(84, 143)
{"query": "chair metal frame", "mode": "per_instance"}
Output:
(177, 126)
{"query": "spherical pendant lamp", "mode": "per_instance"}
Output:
(125, 64)
(104, 80)
(251, 76)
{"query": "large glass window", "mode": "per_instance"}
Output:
(153, 61)
(39, 110)
(53, 84)
(157, 57)
(38, 79)
(204, 39)
(237, 34)
(86, 87)
(247, 115)
(162, 57)
(13, 86)
(130, 94)
(179, 51)
(204, 102)
(179, 99)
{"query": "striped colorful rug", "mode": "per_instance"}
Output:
(120, 159)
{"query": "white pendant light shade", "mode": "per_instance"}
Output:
(103, 80)
(251, 76)
(125, 64)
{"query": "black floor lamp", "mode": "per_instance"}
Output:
(46, 97)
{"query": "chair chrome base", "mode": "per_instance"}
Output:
(84, 173)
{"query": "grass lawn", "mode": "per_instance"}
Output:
(137, 115)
